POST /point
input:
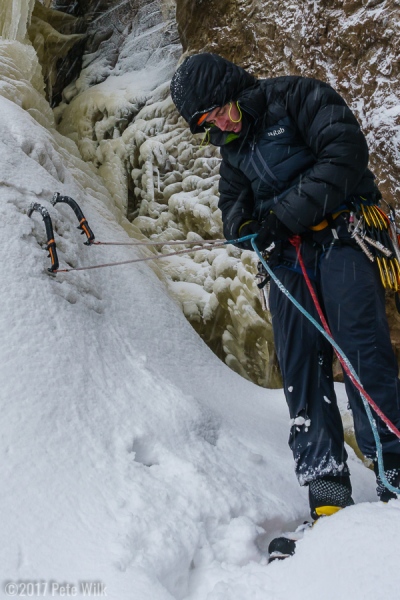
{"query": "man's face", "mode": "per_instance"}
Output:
(226, 118)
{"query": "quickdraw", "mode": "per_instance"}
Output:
(51, 245)
(376, 234)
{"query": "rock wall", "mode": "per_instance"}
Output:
(352, 44)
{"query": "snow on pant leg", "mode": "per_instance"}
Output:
(305, 359)
(354, 301)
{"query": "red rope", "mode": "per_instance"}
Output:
(296, 242)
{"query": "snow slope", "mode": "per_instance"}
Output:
(131, 456)
(129, 451)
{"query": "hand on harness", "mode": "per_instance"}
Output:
(272, 230)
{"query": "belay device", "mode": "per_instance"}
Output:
(51, 245)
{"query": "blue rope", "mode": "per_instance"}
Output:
(339, 351)
(245, 238)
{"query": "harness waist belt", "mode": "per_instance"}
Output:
(325, 223)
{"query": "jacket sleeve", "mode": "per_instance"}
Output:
(235, 199)
(332, 132)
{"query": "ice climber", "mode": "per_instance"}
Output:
(295, 161)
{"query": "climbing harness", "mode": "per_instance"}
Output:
(51, 245)
(344, 361)
(372, 231)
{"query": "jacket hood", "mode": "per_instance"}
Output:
(203, 82)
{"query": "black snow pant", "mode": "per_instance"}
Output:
(353, 300)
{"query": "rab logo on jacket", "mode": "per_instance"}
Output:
(276, 131)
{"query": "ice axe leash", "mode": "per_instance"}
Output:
(344, 361)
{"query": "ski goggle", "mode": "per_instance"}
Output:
(203, 118)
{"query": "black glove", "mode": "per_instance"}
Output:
(271, 230)
(251, 227)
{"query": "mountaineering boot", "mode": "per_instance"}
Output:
(329, 494)
(391, 464)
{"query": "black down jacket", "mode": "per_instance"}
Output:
(301, 152)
